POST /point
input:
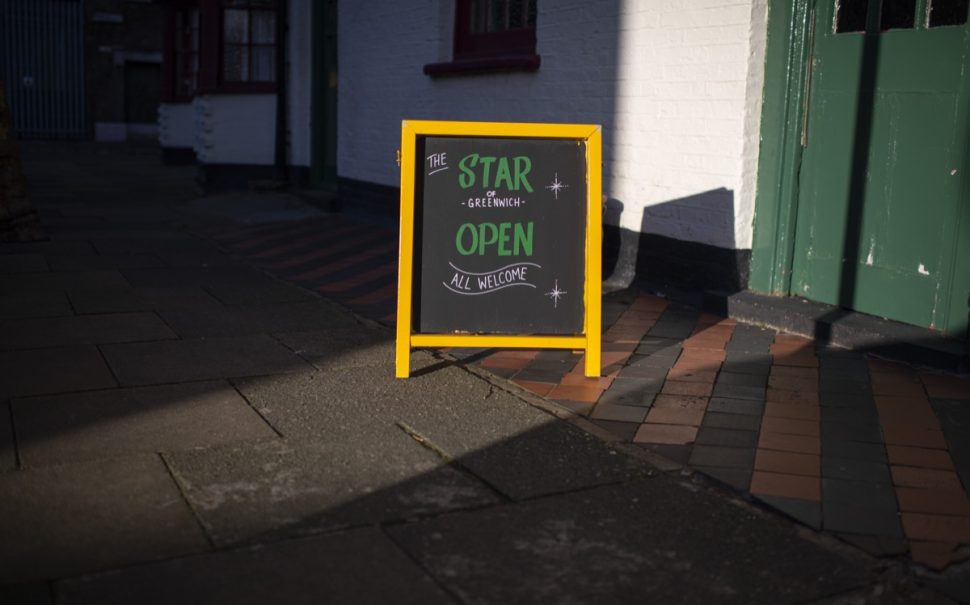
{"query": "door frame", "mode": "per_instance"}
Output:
(785, 105)
(779, 160)
(323, 100)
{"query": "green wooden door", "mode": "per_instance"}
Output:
(881, 222)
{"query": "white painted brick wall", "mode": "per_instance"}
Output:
(675, 83)
(176, 125)
(235, 129)
(241, 128)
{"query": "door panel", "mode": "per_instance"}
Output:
(880, 191)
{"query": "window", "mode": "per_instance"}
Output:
(947, 12)
(492, 35)
(248, 51)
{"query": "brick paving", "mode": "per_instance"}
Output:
(842, 442)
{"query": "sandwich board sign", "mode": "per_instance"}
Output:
(500, 238)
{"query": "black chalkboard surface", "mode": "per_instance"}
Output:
(500, 232)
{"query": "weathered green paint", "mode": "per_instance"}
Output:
(323, 122)
(780, 153)
(880, 223)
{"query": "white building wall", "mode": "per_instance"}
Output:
(676, 85)
(241, 128)
(176, 125)
(235, 129)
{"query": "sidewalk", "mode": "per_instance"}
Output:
(178, 426)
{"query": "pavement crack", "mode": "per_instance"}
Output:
(425, 442)
(188, 503)
(453, 462)
(18, 461)
(448, 591)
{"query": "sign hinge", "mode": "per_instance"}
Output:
(397, 157)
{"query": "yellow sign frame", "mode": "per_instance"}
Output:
(590, 339)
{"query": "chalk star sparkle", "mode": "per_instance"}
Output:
(556, 186)
(556, 294)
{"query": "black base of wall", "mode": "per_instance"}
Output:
(225, 177)
(844, 328)
(381, 200)
(646, 258)
(178, 156)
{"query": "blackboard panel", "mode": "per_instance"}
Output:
(502, 233)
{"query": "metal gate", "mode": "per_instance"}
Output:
(42, 66)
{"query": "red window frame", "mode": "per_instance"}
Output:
(510, 42)
(505, 49)
(175, 54)
(248, 6)
(211, 80)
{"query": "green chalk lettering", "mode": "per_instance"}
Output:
(503, 239)
(487, 161)
(486, 240)
(522, 167)
(467, 178)
(523, 239)
(503, 174)
(459, 239)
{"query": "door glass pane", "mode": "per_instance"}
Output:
(850, 15)
(236, 26)
(948, 12)
(235, 64)
(264, 64)
(264, 27)
(897, 14)
(516, 14)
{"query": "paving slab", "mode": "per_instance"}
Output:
(195, 276)
(114, 261)
(195, 322)
(97, 424)
(262, 491)
(113, 232)
(22, 263)
(722, 456)
(82, 330)
(61, 281)
(594, 547)
(86, 300)
(748, 407)
(804, 511)
(165, 362)
(57, 370)
(855, 469)
(258, 293)
(76, 518)
(739, 391)
(28, 593)
(361, 566)
(487, 430)
(16, 305)
(48, 247)
(716, 436)
(196, 258)
(138, 245)
(735, 478)
(738, 422)
(341, 348)
(860, 519)
(954, 415)
(855, 450)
